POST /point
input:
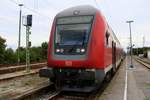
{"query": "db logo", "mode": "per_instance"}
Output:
(68, 63)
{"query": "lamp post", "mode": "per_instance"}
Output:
(143, 44)
(19, 40)
(129, 22)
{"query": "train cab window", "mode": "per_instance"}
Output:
(107, 38)
(72, 34)
(73, 30)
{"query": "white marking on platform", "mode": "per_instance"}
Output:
(126, 83)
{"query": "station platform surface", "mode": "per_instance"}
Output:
(129, 83)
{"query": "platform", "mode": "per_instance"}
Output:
(129, 83)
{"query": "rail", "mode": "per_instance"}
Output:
(33, 93)
(53, 95)
(141, 61)
(19, 71)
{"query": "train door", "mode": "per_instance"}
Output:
(114, 56)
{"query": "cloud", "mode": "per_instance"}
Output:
(116, 13)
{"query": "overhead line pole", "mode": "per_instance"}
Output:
(19, 37)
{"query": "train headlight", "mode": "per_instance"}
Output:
(61, 50)
(57, 50)
(78, 50)
(82, 50)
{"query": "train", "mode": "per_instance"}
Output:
(83, 50)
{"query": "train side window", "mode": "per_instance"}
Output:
(107, 38)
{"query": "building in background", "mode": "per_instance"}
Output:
(148, 54)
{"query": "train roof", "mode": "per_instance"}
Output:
(78, 10)
(84, 10)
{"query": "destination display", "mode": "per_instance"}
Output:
(79, 19)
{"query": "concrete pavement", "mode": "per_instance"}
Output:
(129, 83)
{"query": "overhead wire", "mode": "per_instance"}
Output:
(96, 3)
(49, 4)
(30, 9)
(35, 11)
(6, 18)
(36, 4)
(13, 1)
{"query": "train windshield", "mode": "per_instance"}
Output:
(73, 31)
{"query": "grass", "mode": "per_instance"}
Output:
(147, 85)
(28, 82)
(101, 98)
(146, 98)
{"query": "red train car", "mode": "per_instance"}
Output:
(82, 50)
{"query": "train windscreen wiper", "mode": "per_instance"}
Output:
(83, 40)
(74, 46)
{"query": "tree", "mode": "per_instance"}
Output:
(10, 56)
(2, 49)
(137, 51)
(22, 53)
(35, 54)
(44, 47)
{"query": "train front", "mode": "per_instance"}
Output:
(68, 54)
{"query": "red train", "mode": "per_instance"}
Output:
(83, 50)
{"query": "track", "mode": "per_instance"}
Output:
(44, 91)
(31, 94)
(10, 69)
(61, 95)
(48, 92)
(143, 62)
(18, 71)
(53, 95)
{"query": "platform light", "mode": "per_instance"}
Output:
(129, 22)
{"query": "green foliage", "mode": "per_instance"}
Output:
(22, 54)
(8, 56)
(2, 49)
(137, 51)
(35, 54)
(44, 48)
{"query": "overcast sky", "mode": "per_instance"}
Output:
(117, 12)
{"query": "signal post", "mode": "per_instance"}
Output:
(28, 25)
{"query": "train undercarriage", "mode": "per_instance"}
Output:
(77, 80)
